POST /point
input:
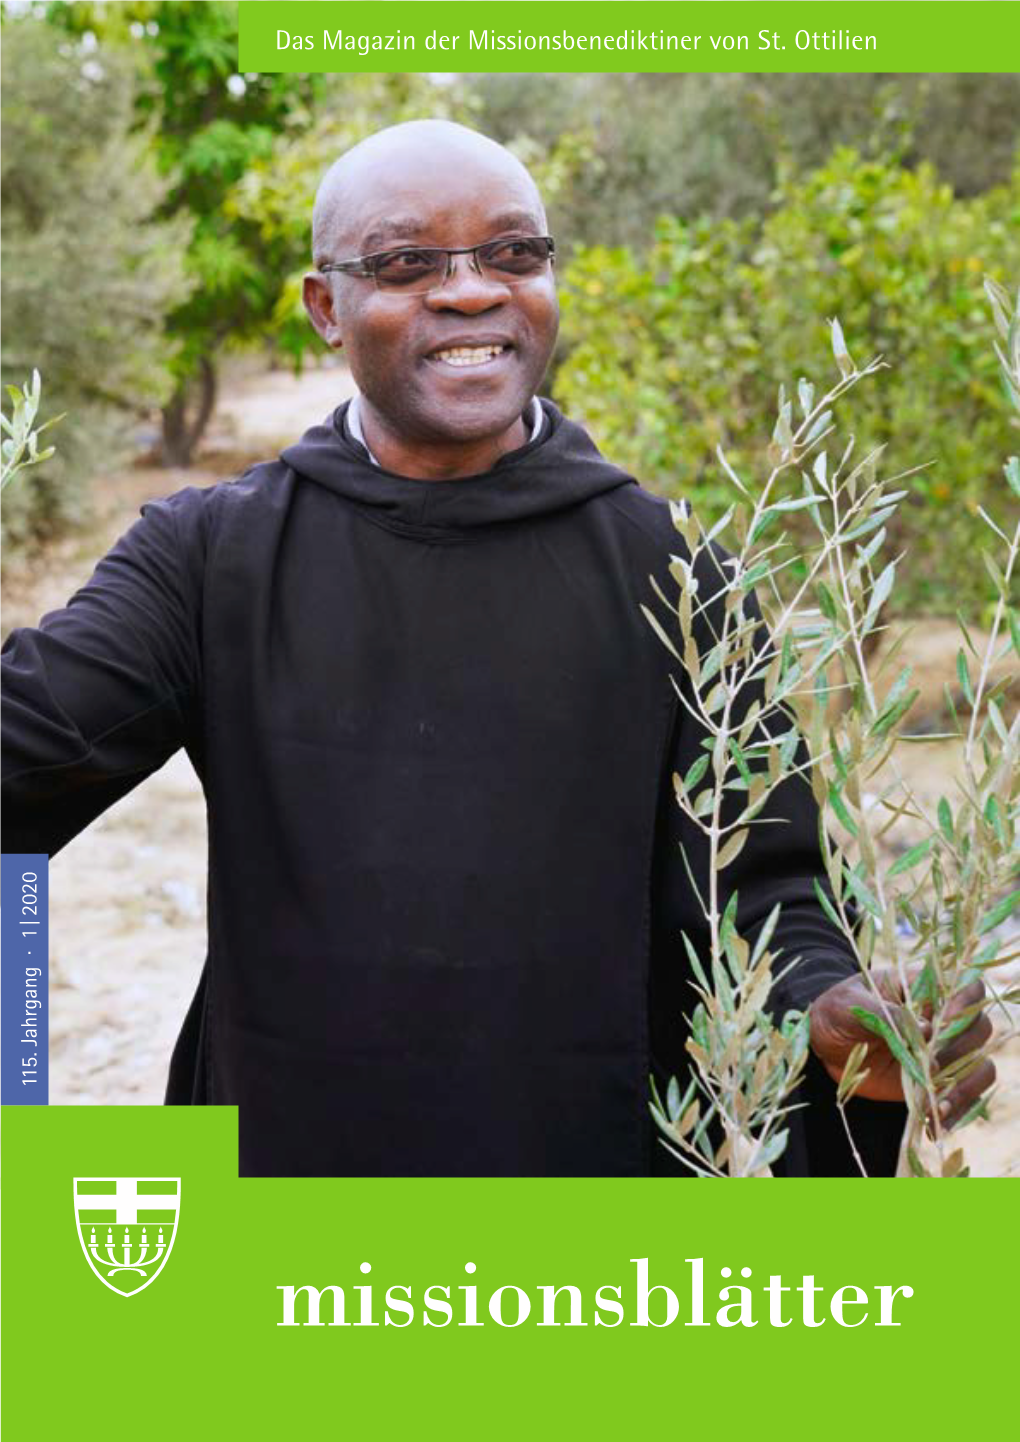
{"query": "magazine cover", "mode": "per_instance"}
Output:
(511, 703)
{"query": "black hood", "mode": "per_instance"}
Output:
(559, 469)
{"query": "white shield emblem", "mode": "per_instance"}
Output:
(127, 1227)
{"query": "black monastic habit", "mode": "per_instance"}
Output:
(436, 736)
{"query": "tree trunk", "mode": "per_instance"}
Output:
(174, 448)
(181, 432)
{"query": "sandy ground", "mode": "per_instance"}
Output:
(128, 896)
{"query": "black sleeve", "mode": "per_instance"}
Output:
(103, 692)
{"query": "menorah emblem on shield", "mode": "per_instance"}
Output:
(124, 1262)
(126, 1227)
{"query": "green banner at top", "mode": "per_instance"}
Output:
(642, 35)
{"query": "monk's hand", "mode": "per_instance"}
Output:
(836, 1030)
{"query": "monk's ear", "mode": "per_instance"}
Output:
(317, 294)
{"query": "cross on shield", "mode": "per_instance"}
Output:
(127, 1227)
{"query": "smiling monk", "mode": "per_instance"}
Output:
(436, 737)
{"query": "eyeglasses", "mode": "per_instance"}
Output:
(415, 270)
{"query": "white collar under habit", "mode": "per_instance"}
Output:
(354, 423)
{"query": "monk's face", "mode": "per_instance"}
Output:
(398, 345)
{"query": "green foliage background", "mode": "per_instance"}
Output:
(681, 348)
(156, 212)
(720, 144)
(207, 126)
(88, 269)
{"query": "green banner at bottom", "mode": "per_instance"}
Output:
(209, 1305)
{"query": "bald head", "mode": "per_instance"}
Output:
(445, 372)
(420, 155)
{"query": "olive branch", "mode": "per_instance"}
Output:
(20, 446)
(803, 697)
